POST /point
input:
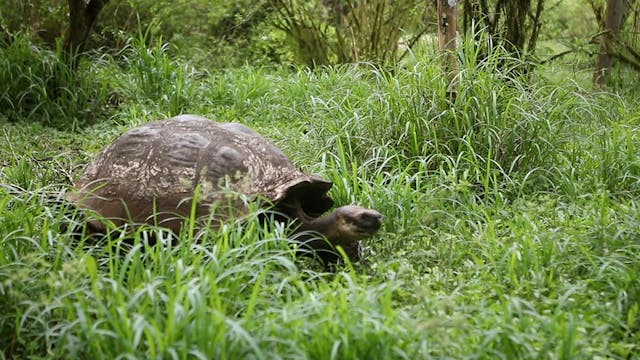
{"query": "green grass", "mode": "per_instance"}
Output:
(511, 222)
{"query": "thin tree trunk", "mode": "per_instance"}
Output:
(614, 15)
(82, 16)
(447, 29)
(535, 27)
(515, 17)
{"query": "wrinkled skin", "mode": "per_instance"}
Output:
(152, 173)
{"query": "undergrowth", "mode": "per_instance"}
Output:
(511, 221)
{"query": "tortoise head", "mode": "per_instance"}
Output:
(305, 200)
(344, 227)
(351, 223)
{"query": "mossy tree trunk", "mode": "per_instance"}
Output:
(613, 20)
(32, 16)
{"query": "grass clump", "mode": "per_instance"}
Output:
(228, 295)
(145, 73)
(43, 86)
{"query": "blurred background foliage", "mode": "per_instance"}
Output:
(227, 33)
(216, 33)
(39, 81)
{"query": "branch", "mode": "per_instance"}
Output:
(626, 47)
(536, 26)
(556, 56)
(593, 39)
(626, 60)
(597, 11)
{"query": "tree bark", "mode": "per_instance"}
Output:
(32, 16)
(82, 16)
(515, 24)
(447, 30)
(613, 18)
(515, 15)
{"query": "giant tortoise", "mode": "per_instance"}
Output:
(152, 174)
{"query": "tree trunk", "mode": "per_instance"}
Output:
(536, 26)
(447, 29)
(31, 17)
(82, 16)
(515, 15)
(516, 24)
(614, 15)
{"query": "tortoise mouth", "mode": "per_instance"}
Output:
(368, 228)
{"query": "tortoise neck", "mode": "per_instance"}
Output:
(328, 226)
(324, 225)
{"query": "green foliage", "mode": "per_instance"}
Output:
(38, 85)
(210, 33)
(498, 127)
(44, 20)
(511, 221)
(147, 73)
(214, 34)
(338, 32)
(41, 86)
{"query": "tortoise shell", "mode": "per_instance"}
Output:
(152, 173)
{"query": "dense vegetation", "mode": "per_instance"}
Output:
(511, 230)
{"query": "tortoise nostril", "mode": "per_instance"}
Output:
(372, 216)
(371, 219)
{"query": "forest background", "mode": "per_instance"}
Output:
(508, 175)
